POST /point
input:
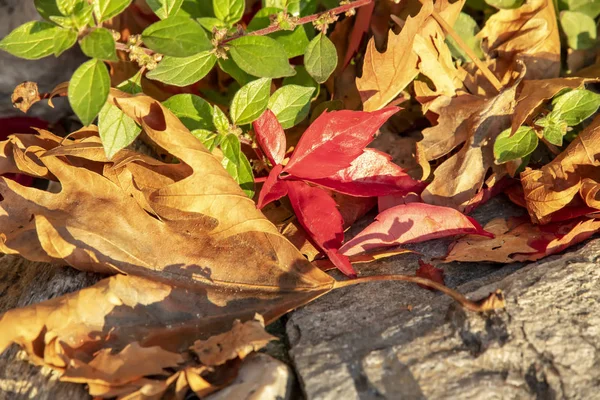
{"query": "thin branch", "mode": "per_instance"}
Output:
(465, 47)
(494, 301)
(126, 47)
(303, 20)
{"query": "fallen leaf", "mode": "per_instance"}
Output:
(430, 272)
(25, 95)
(270, 137)
(411, 223)
(527, 34)
(241, 340)
(557, 183)
(361, 25)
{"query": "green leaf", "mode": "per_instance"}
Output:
(294, 42)
(554, 131)
(76, 14)
(521, 144)
(99, 44)
(291, 104)
(331, 105)
(591, 8)
(184, 71)
(579, 28)
(106, 9)
(236, 163)
(196, 8)
(47, 8)
(505, 4)
(88, 90)
(208, 138)
(32, 40)
(230, 67)
(466, 27)
(132, 85)
(220, 121)
(67, 7)
(176, 37)
(165, 8)
(575, 106)
(320, 58)
(250, 101)
(64, 40)
(229, 11)
(299, 8)
(260, 56)
(117, 130)
(209, 23)
(303, 78)
(193, 111)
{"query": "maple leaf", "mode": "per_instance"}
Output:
(419, 47)
(476, 125)
(519, 240)
(556, 184)
(411, 223)
(528, 34)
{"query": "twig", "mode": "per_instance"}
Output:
(450, 31)
(304, 20)
(494, 301)
(126, 47)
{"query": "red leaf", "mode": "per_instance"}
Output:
(273, 188)
(334, 140)
(412, 223)
(318, 214)
(430, 272)
(270, 137)
(385, 202)
(361, 26)
(372, 174)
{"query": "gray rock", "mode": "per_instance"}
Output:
(261, 377)
(362, 342)
(47, 72)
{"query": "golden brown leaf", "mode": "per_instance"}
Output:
(556, 184)
(25, 95)
(528, 34)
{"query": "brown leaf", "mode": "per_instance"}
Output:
(196, 252)
(519, 240)
(411, 51)
(475, 122)
(25, 95)
(528, 34)
(241, 340)
(556, 184)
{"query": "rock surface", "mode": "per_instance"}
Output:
(363, 343)
(48, 72)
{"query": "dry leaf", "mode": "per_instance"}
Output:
(557, 183)
(241, 340)
(25, 95)
(528, 34)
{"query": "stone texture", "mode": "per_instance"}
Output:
(362, 342)
(261, 377)
(47, 72)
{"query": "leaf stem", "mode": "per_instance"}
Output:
(493, 301)
(465, 47)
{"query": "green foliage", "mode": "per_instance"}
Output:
(261, 56)
(467, 29)
(505, 4)
(177, 37)
(519, 145)
(294, 42)
(303, 78)
(220, 121)
(99, 44)
(250, 101)
(579, 28)
(291, 104)
(88, 90)
(63, 41)
(165, 8)
(229, 11)
(591, 8)
(183, 71)
(231, 68)
(193, 111)
(106, 9)
(320, 58)
(33, 40)
(237, 164)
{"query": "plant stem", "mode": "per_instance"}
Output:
(494, 301)
(465, 47)
(125, 47)
(304, 20)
